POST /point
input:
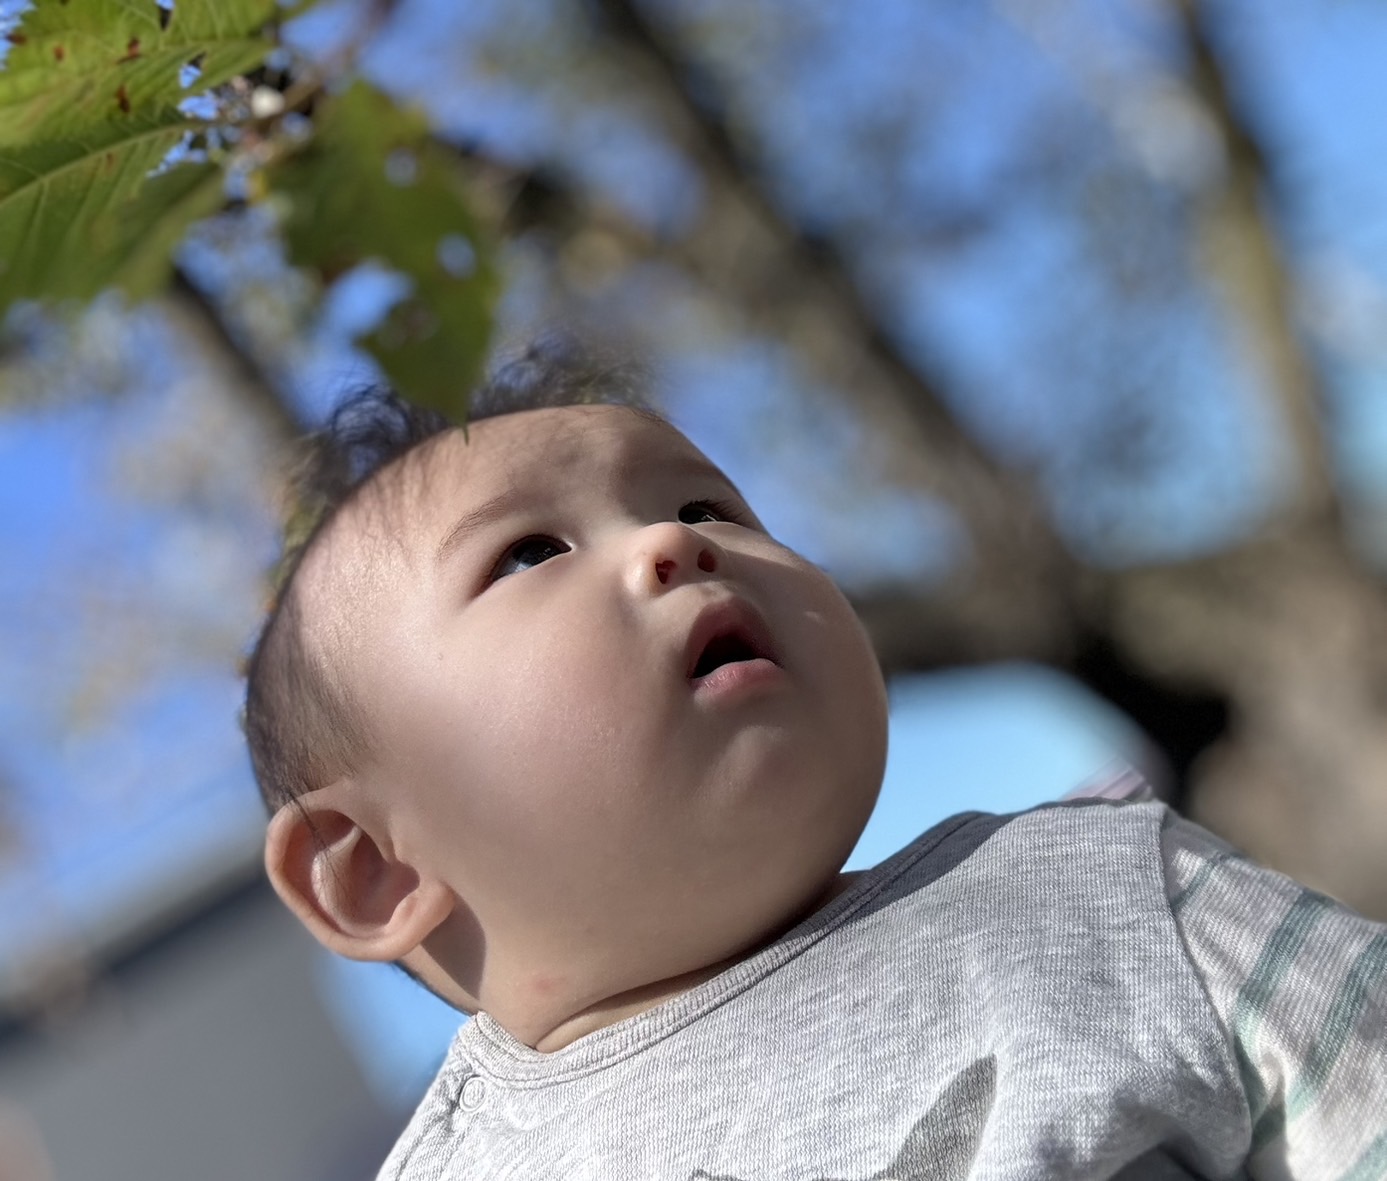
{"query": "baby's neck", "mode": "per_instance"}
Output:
(638, 1000)
(627, 1004)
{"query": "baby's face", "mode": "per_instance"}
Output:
(630, 730)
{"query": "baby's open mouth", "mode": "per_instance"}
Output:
(724, 650)
(727, 633)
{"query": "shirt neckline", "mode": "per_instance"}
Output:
(490, 1050)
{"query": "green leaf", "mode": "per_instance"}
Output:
(75, 68)
(372, 185)
(88, 110)
(155, 222)
(61, 215)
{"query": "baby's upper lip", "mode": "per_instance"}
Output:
(732, 618)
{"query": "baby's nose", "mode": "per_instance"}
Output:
(665, 568)
(669, 553)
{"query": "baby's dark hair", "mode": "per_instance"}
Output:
(303, 725)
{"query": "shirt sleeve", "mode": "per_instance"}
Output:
(1299, 983)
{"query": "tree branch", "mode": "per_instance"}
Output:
(201, 320)
(915, 630)
(1245, 259)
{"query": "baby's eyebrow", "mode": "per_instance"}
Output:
(693, 466)
(475, 518)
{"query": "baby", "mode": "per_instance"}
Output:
(545, 716)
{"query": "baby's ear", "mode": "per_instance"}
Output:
(344, 886)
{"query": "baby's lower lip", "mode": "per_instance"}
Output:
(741, 676)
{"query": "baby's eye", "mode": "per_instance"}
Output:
(525, 553)
(701, 512)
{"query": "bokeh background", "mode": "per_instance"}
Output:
(1055, 329)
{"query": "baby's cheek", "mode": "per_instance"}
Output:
(824, 607)
(844, 658)
(575, 700)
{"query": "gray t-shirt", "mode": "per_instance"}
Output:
(1079, 991)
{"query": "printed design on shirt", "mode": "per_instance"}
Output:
(942, 1143)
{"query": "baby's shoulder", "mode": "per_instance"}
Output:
(1075, 836)
(1086, 860)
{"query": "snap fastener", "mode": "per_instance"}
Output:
(473, 1094)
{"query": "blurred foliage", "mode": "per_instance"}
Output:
(123, 125)
(372, 185)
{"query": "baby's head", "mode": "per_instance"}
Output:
(546, 716)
